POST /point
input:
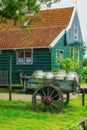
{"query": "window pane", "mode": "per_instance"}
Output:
(27, 53)
(76, 32)
(60, 54)
(28, 56)
(28, 60)
(20, 57)
(20, 60)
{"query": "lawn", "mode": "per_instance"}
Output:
(18, 115)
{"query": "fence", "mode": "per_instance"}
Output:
(3, 77)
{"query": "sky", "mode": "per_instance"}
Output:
(81, 6)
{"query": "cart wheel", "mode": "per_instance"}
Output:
(66, 98)
(47, 98)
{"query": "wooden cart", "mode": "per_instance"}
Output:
(50, 94)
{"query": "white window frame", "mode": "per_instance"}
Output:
(75, 31)
(24, 61)
(59, 52)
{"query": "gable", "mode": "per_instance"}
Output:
(70, 36)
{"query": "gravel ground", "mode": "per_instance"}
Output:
(21, 97)
(27, 97)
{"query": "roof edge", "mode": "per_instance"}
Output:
(57, 38)
(79, 24)
(2, 49)
(71, 20)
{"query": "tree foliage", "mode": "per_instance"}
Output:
(16, 9)
(68, 64)
(85, 62)
(49, 2)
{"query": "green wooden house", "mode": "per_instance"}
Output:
(38, 41)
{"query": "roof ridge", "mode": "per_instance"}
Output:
(56, 9)
(42, 27)
(48, 27)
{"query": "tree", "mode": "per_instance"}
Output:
(16, 9)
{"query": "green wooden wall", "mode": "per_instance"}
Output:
(41, 61)
(62, 45)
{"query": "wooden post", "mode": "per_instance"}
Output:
(83, 92)
(10, 78)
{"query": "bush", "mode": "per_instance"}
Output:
(68, 64)
(85, 62)
(76, 127)
(84, 74)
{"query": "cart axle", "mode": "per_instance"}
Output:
(47, 100)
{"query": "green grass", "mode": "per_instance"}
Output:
(18, 115)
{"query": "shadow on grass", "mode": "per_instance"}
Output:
(19, 105)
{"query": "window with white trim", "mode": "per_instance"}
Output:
(77, 55)
(76, 32)
(72, 53)
(24, 56)
(59, 53)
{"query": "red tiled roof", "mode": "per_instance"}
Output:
(41, 37)
(40, 33)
